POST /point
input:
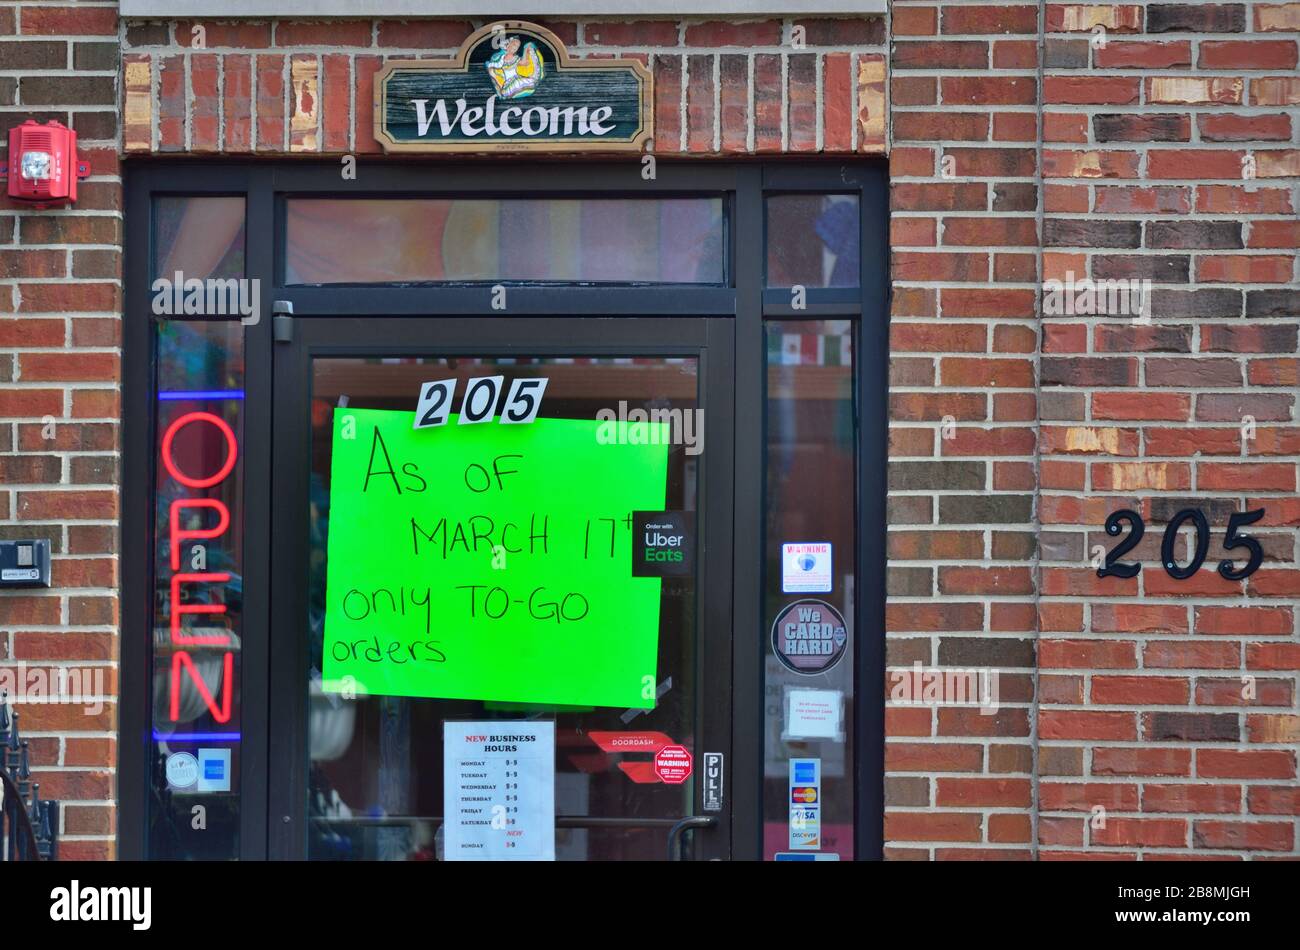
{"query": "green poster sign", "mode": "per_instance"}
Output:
(490, 561)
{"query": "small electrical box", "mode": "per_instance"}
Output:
(25, 563)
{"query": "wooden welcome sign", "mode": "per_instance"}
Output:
(512, 87)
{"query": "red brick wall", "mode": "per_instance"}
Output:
(60, 302)
(721, 87)
(1163, 720)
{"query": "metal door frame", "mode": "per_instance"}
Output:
(741, 299)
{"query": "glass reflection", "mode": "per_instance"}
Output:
(591, 240)
(375, 763)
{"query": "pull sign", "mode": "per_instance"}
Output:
(713, 781)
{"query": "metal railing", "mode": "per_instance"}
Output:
(29, 827)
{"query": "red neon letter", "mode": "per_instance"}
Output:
(220, 715)
(178, 534)
(178, 608)
(170, 464)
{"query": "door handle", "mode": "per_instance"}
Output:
(678, 831)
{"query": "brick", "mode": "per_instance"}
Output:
(988, 90)
(336, 94)
(1274, 234)
(1141, 832)
(1151, 127)
(767, 103)
(364, 69)
(1277, 16)
(1254, 269)
(1087, 654)
(1187, 90)
(1196, 18)
(801, 103)
(1248, 54)
(1244, 835)
(1274, 800)
(68, 366)
(982, 792)
(1211, 691)
(1078, 17)
(1260, 476)
(1120, 54)
(1140, 690)
(422, 34)
(940, 54)
(1275, 91)
(872, 117)
(1190, 727)
(1091, 90)
(1085, 796)
(271, 102)
(990, 231)
(332, 33)
(1066, 724)
(1065, 54)
(219, 35)
(837, 102)
(734, 102)
(1089, 164)
(932, 826)
(1126, 199)
(915, 21)
(1125, 761)
(69, 505)
(1274, 728)
(1192, 798)
(715, 33)
(1236, 128)
(39, 20)
(989, 19)
(1015, 54)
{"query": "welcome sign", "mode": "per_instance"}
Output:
(512, 87)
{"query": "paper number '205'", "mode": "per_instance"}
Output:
(1113, 567)
(479, 405)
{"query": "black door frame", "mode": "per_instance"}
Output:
(742, 298)
(707, 339)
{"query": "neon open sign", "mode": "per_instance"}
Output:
(176, 535)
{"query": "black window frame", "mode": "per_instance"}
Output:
(743, 185)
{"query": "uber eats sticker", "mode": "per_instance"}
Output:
(663, 543)
(809, 636)
(490, 561)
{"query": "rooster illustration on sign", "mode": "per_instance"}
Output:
(516, 69)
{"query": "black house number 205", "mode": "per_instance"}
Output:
(1231, 541)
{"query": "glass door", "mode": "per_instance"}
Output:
(501, 594)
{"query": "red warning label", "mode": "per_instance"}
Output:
(673, 764)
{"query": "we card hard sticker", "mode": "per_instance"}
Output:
(806, 568)
(809, 636)
(805, 804)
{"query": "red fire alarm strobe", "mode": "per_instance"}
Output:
(43, 166)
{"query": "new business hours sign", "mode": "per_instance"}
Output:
(512, 87)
